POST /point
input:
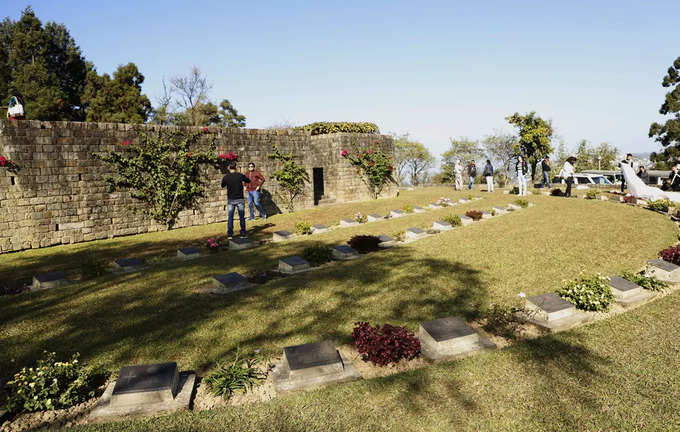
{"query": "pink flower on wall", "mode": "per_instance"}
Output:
(3, 161)
(125, 143)
(344, 153)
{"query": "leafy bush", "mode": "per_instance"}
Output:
(515, 190)
(502, 180)
(408, 209)
(374, 166)
(317, 255)
(290, 176)
(629, 199)
(647, 282)
(590, 294)
(454, 220)
(660, 205)
(323, 128)
(364, 243)
(361, 218)
(671, 254)
(238, 375)
(522, 202)
(504, 320)
(592, 194)
(214, 244)
(50, 385)
(303, 228)
(474, 214)
(386, 344)
(557, 192)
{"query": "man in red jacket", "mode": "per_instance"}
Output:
(253, 188)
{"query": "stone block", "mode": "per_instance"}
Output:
(348, 223)
(49, 280)
(344, 253)
(513, 207)
(397, 213)
(188, 253)
(466, 220)
(442, 226)
(450, 337)
(145, 384)
(549, 307)
(282, 236)
(486, 215)
(604, 198)
(463, 201)
(415, 234)
(435, 206)
(318, 229)
(664, 270)
(229, 282)
(374, 217)
(499, 210)
(627, 293)
(128, 264)
(293, 264)
(418, 209)
(238, 243)
(386, 241)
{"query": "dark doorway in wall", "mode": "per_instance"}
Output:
(318, 185)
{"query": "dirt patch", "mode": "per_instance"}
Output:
(368, 370)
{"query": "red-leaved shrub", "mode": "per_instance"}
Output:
(474, 214)
(629, 199)
(671, 254)
(386, 344)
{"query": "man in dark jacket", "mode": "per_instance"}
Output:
(545, 168)
(233, 181)
(627, 161)
(674, 179)
(472, 173)
(643, 174)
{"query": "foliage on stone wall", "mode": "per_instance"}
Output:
(373, 165)
(290, 176)
(322, 128)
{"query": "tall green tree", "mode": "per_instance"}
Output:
(535, 135)
(6, 29)
(668, 133)
(118, 99)
(501, 149)
(604, 156)
(463, 149)
(412, 160)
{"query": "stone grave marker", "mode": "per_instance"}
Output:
(145, 389)
(238, 243)
(628, 293)
(418, 209)
(451, 336)
(550, 306)
(513, 206)
(49, 280)
(486, 215)
(229, 282)
(664, 270)
(282, 236)
(435, 206)
(603, 198)
(293, 264)
(126, 265)
(477, 198)
(642, 202)
(374, 217)
(415, 233)
(187, 253)
(506, 192)
(318, 229)
(344, 253)
(348, 223)
(463, 200)
(397, 213)
(386, 241)
(311, 365)
(442, 226)
(500, 210)
(545, 193)
(466, 220)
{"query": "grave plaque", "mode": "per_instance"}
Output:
(344, 253)
(386, 241)
(281, 236)
(486, 215)
(313, 359)
(463, 201)
(466, 220)
(550, 307)
(418, 209)
(623, 288)
(664, 270)
(442, 226)
(348, 223)
(415, 233)
(238, 243)
(49, 280)
(318, 229)
(230, 282)
(293, 264)
(396, 213)
(449, 336)
(374, 217)
(188, 253)
(435, 206)
(513, 207)
(128, 264)
(145, 384)
(500, 210)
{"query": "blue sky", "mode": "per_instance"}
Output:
(432, 69)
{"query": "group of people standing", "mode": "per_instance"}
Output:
(521, 169)
(236, 182)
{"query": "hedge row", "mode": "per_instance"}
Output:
(323, 128)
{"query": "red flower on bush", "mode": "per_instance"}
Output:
(190, 154)
(3, 161)
(671, 254)
(125, 143)
(344, 153)
(213, 243)
(231, 156)
(206, 130)
(628, 199)
(386, 344)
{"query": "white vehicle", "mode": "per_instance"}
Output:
(586, 180)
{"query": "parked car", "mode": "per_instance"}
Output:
(585, 180)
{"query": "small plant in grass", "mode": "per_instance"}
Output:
(50, 385)
(647, 282)
(361, 218)
(592, 194)
(454, 220)
(364, 243)
(91, 267)
(660, 205)
(522, 202)
(214, 244)
(386, 344)
(493, 212)
(238, 375)
(303, 228)
(588, 293)
(671, 254)
(556, 192)
(317, 255)
(408, 209)
(629, 199)
(474, 214)
(470, 197)
(505, 320)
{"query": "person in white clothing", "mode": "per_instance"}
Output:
(458, 173)
(521, 170)
(567, 173)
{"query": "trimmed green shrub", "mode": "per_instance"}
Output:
(522, 202)
(408, 209)
(361, 218)
(317, 255)
(323, 128)
(50, 385)
(303, 228)
(660, 205)
(504, 320)
(238, 375)
(592, 194)
(588, 293)
(647, 282)
(454, 220)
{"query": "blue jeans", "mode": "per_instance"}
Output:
(254, 198)
(231, 206)
(546, 179)
(471, 182)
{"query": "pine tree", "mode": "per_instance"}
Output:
(118, 99)
(668, 134)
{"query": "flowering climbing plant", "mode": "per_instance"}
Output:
(374, 165)
(8, 164)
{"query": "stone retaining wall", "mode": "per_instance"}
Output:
(59, 195)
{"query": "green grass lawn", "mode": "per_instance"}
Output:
(156, 316)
